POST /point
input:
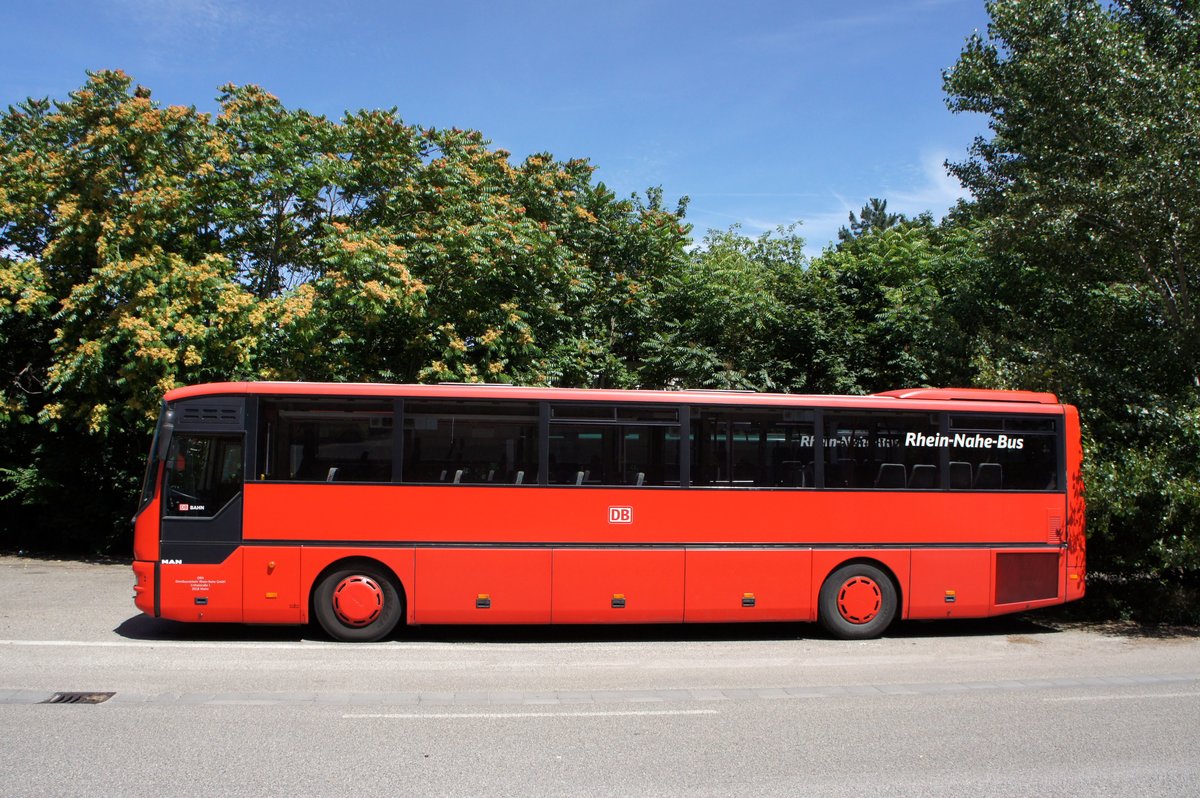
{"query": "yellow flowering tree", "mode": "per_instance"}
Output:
(109, 294)
(144, 247)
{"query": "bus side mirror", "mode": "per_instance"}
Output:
(164, 435)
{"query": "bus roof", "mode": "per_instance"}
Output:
(973, 395)
(964, 399)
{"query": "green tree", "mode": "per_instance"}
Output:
(106, 298)
(1087, 192)
(723, 313)
(873, 218)
(887, 308)
(144, 247)
(903, 302)
(1094, 110)
(628, 248)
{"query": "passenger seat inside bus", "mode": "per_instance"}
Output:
(924, 477)
(990, 476)
(891, 475)
(960, 475)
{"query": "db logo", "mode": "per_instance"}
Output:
(620, 515)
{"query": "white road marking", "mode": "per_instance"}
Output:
(1122, 697)
(612, 714)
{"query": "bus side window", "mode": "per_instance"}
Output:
(884, 451)
(1011, 453)
(747, 447)
(319, 440)
(449, 442)
(204, 473)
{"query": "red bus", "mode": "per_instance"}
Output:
(364, 506)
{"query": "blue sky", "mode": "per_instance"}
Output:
(764, 113)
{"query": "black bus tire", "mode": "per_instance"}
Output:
(358, 603)
(857, 602)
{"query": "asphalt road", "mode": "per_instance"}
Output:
(999, 707)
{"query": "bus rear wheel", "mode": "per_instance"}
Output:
(857, 602)
(357, 603)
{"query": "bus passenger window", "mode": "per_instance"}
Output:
(752, 448)
(470, 443)
(614, 445)
(884, 451)
(325, 441)
(990, 452)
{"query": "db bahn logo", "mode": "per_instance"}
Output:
(620, 515)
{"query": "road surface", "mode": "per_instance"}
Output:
(1007, 706)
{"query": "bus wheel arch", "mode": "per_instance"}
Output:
(859, 600)
(357, 600)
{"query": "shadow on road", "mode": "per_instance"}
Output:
(141, 627)
(1139, 631)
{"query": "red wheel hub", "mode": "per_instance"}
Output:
(357, 600)
(859, 599)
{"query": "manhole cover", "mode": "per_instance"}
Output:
(78, 698)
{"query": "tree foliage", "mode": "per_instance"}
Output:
(1091, 167)
(873, 218)
(144, 247)
(899, 305)
(723, 313)
(1088, 195)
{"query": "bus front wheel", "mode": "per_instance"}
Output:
(857, 602)
(357, 604)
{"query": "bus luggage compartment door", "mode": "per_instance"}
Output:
(618, 585)
(482, 586)
(748, 585)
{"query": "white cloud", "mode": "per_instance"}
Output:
(168, 28)
(922, 186)
(162, 18)
(938, 190)
(933, 189)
